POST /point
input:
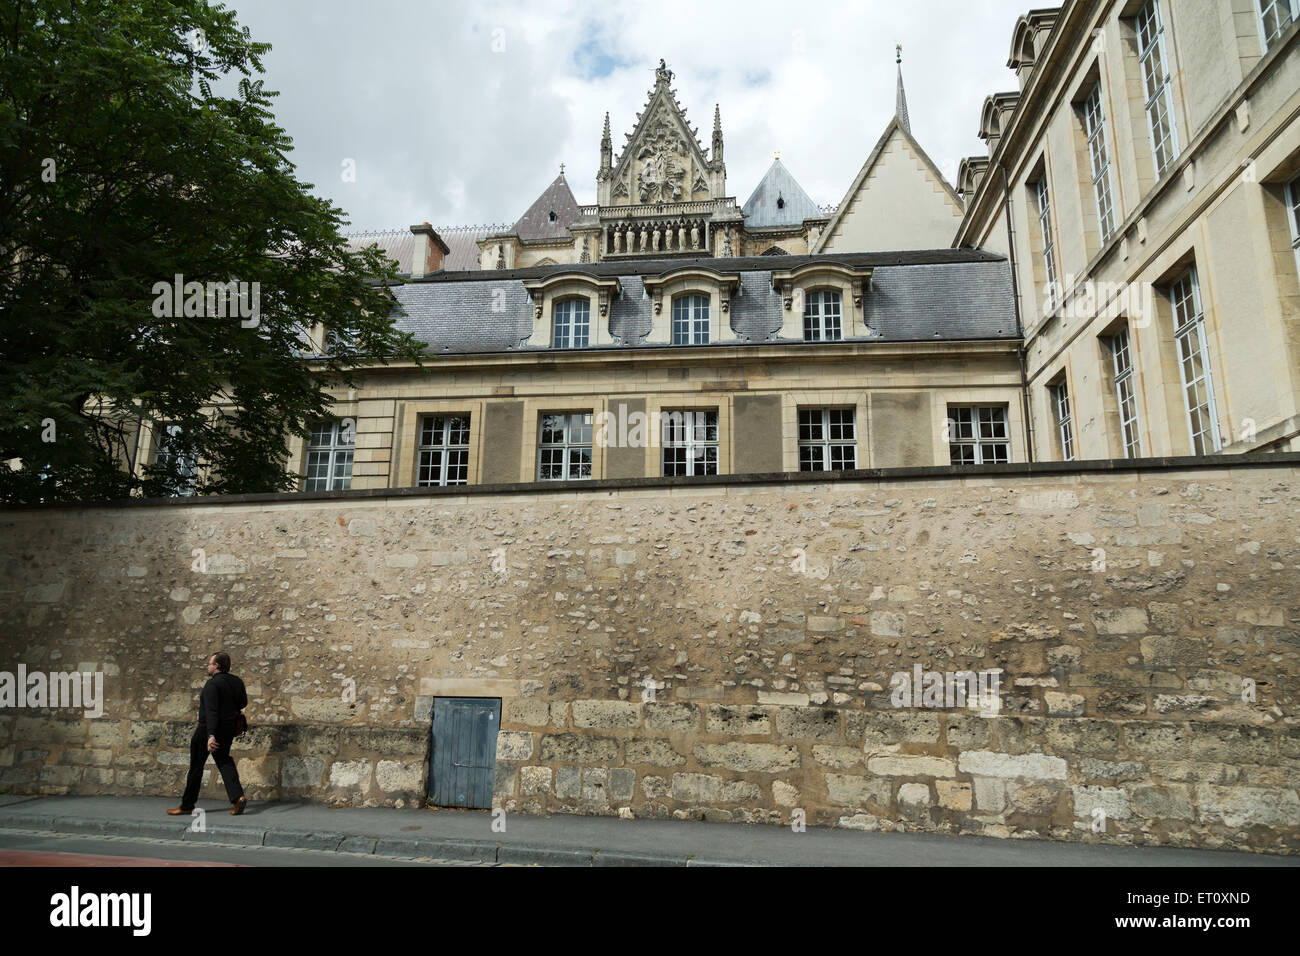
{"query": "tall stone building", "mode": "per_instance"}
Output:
(1142, 179)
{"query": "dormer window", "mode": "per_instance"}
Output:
(552, 216)
(572, 328)
(780, 201)
(821, 316)
(691, 320)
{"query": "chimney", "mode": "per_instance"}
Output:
(428, 252)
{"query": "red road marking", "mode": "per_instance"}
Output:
(33, 858)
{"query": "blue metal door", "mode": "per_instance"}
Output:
(463, 758)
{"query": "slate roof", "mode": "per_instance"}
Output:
(939, 295)
(778, 186)
(537, 222)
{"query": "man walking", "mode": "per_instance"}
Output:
(220, 702)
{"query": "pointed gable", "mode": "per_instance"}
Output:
(778, 200)
(899, 200)
(551, 214)
(663, 160)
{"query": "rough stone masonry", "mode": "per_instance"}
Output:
(720, 650)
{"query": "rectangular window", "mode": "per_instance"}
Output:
(564, 447)
(690, 443)
(978, 435)
(1094, 125)
(329, 457)
(1155, 85)
(1045, 230)
(1125, 394)
(691, 320)
(1064, 427)
(1293, 217)
(175, 456)
(821, 316)
(1194, 364)
(572, 328)
(443, 453)
(828, 439)
(1276, 17)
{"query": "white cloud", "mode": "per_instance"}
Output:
(445, 129)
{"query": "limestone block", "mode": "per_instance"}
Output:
(673, 718)
(882, 728)
(986, 763)
(622, 784)
(350, 774)
(843, 790)
(595, 786)
(606, 714)
(533, 713)
(1247, 806)
(740, 791)
(394, 776)
(1113, 802)
(738, 721)
(534, 780)
(764, 758)
(299, 772)
(841, 758)
(887, 624)
(514, 745)
(784, 795)
(1123, 620)
(990, 794)
(808, 723)
(652, 751)
(696, 788)
(1169, 802)
(578, 748)
(953, 795)
(568, 782)
(912, 765)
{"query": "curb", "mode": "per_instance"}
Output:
(338, 842)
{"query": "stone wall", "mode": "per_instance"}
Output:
(1145, 626)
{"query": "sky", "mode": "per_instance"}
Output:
(408, 111)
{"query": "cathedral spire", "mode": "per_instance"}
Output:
(606, 150)
(717, 133)
(900, 105)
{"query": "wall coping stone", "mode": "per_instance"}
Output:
(779, 479)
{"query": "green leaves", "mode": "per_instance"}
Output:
(121, 167)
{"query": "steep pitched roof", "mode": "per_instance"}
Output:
(550, 214)
(915, 296)
(778, 200)
(895, 125)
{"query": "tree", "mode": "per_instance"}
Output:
(121, 174)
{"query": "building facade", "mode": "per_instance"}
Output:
(1143, 180)
(1116, 278)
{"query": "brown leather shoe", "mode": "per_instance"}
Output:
(179, 812)
(238, 808)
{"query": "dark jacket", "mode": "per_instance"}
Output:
(221, 700)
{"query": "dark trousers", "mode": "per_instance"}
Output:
(225, 763)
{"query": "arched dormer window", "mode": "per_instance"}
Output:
(571, 310)
(823, 301)
(822, 316)
(571, 324)
(691, 319)
(696, 299)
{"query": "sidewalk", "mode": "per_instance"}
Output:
(565, 840)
